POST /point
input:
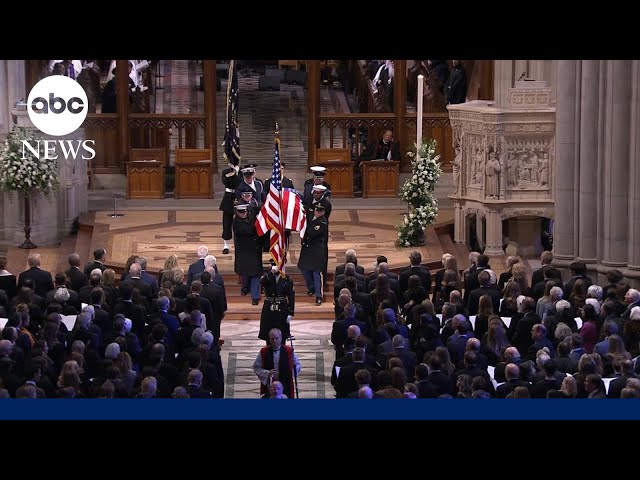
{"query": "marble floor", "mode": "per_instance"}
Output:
(311, 344)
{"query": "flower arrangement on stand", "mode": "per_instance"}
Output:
(26, 175)
(417, 191)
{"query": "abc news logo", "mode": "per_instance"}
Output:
(51, 105)
(58, 106)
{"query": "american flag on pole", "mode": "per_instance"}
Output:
(231, 141)
(282, 210)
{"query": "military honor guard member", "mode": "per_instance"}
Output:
(314, 252)
(249, 180)
(318, 197)
(279, 303)
(248, 252)
(230, 180)
(316, 179)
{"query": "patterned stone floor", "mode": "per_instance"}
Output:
(311, 344)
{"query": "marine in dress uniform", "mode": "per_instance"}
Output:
(314, 252)
(318, 197)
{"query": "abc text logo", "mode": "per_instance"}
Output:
(57, 105)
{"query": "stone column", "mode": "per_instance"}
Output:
(565, 165)
(459, 224)
(503, 81)
(480, 230)
(633, 248)
(494, 234)
(5, 108)
(616, 163)
(588, 171)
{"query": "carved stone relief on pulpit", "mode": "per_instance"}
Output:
(476, 157)
(527, 162)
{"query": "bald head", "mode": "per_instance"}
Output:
(511, 371)
(344, 299)
(473, 345)
(353, 331)
(383, 267)
(512, 354)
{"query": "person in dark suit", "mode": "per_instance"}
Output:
(135, 278)
(538, 275)
(313, 254)
(350, 256)
(485, 289)
(384, 149)
(540, 340)
(100, 256)
(455, 88)
(197, 266)
(147, 277)
(77, 278)
(41, 278)
(7, 280)
(415, 269)
(194, 387)
(109, 94)
(340, 328)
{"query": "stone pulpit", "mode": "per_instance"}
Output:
(503, 168)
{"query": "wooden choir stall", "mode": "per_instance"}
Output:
(339, 173)
(145, 173)
(194, 172)
(379, 178)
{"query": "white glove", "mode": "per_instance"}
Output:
(236, 168)
(289, 317)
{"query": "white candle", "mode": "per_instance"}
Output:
(419, 114)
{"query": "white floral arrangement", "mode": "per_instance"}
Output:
(417, 191)
(30, 174)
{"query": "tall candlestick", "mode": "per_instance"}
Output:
(419, 115)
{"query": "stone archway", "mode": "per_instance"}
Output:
(524, 231)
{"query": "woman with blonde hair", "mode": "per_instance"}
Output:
(439, 275)
(170, 264)
(108, 283)
(519, 275)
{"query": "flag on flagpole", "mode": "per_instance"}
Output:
(231, 141)
(282, 210)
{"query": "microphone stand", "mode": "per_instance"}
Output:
(291, 338)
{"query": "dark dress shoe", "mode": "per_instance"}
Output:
(225, 251)
(254, 301)
(318, 301)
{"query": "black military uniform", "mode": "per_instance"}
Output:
(230, 180)
(317, 179)
(314, 254)
(248, 253)
(257, 187)
(311, 202)
(279, 303)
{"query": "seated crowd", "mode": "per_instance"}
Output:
(79, 335)
(474, 334)
(470, 334)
